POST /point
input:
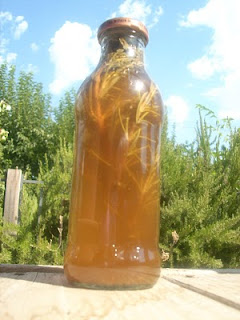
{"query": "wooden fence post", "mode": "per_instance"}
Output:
(12, 194)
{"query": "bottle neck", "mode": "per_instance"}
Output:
(123, 47)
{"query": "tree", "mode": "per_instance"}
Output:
(29, 123)
(64, 117)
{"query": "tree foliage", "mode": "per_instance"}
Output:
(29, 123)
(64, 116)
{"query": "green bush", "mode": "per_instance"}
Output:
(200, 197)
(57, 186)
(25, 243)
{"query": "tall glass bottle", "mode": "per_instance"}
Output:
(114, 213)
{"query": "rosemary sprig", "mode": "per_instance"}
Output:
(109, 110)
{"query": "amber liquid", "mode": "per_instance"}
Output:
(114, 215)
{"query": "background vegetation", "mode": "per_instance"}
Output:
(200, 192)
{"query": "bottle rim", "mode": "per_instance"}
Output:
(123, 22)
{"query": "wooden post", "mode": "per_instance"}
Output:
(12, 195)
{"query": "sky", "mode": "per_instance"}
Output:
(193, 53)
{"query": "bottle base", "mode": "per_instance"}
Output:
(131, 278)
(110, 287)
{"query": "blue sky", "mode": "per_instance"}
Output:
(193, 53)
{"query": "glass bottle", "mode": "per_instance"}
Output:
(114, 212)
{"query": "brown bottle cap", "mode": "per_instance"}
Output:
(123, 22)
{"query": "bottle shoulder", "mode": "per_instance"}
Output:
(135, 80)
(113, 88)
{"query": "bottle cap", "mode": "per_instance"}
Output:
(121, 23)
